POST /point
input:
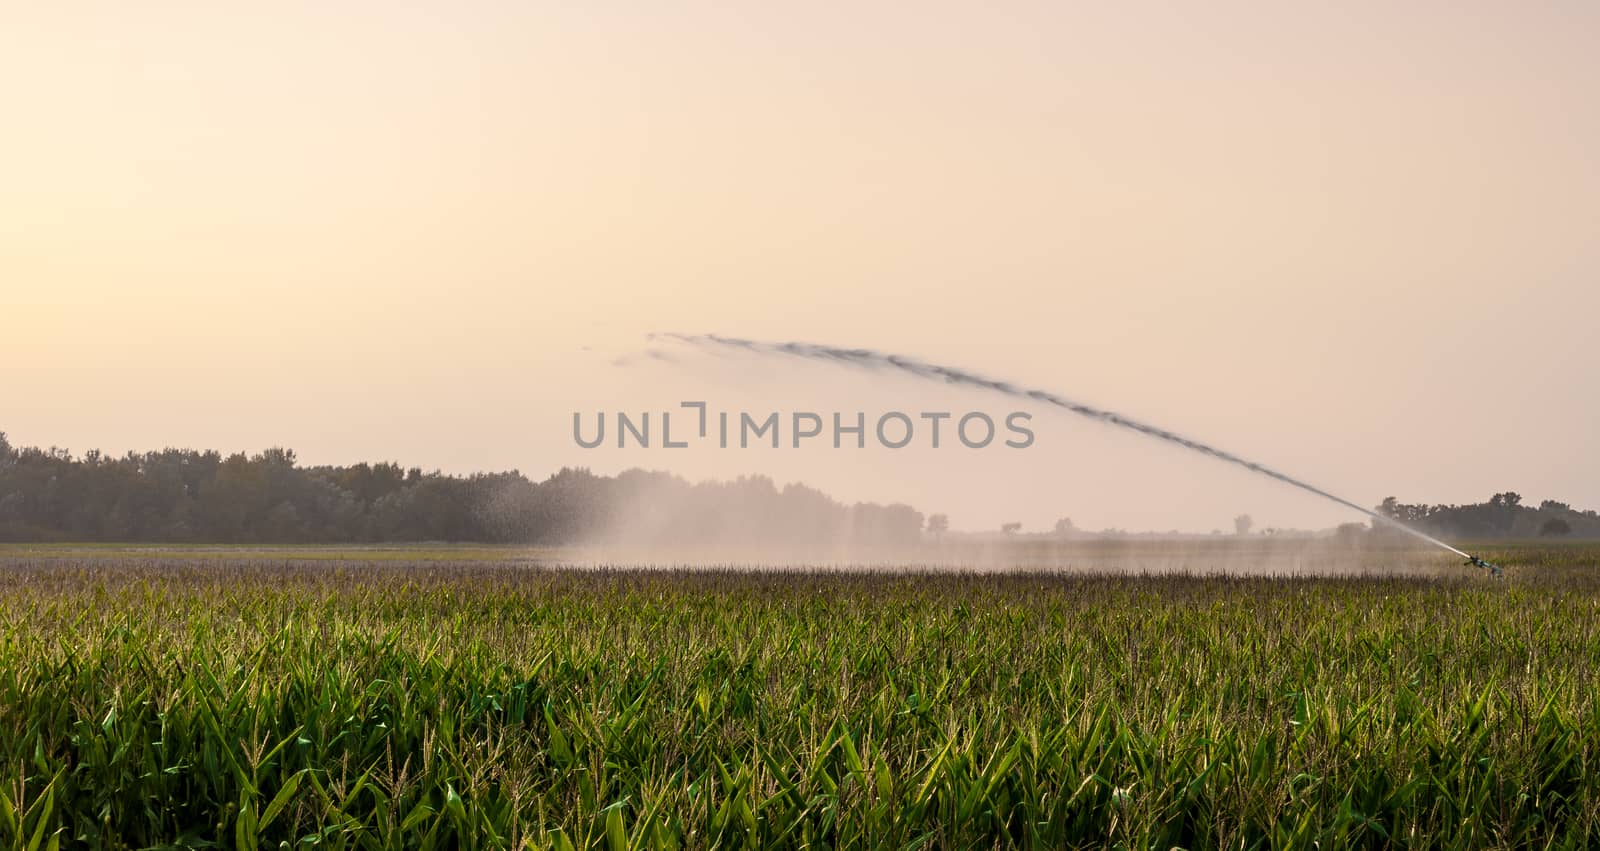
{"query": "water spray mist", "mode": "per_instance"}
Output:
(870, 359)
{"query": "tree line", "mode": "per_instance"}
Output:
(1503, 516)
(190, 496)
(185, 495)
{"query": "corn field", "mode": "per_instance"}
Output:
(252, 702)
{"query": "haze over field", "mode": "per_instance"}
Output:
(1356, 243)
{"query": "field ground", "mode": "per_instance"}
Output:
(469, 697)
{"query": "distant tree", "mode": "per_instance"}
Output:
(938, 524)
(1064, 528)
(1394, 509)
(1505, 507)
(1242, 524)
(1350, 533)
(892, 524)
(1555, 527)
(1011, 528)
(1548, 505)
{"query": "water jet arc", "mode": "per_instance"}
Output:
(871, 359)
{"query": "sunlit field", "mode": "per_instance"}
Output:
(488, 698)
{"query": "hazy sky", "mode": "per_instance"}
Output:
(1356, 241)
